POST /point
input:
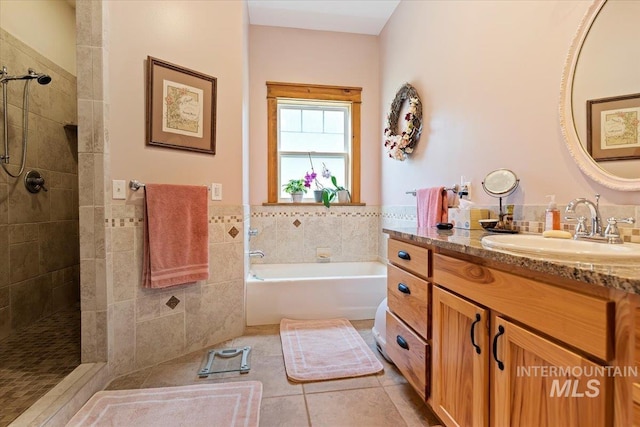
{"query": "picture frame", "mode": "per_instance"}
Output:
(613, 128)
(181, 107)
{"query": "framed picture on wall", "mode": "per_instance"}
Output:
(181, 107)
(613, 128)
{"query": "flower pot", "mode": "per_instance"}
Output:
(317, 195)
(343, 196)
(297, 197)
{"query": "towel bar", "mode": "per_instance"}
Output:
(455, 189)
(135, 185)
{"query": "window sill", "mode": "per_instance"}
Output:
(310, 204)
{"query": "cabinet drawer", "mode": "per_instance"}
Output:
(408, 297)
(409, 353)
(410, 257)
(579, 320)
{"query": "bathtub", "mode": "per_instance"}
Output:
(314, 291)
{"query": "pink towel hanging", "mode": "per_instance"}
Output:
(176, 235)
(432, 206)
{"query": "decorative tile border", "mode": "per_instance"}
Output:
(136, 222)
(629, 234)
(320, 214)
(399, 216)
(226, 219)
(122, 222)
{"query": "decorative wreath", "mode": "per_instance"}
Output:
(400, 145)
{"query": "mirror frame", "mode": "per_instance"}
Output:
(507, 191)
(584, 161)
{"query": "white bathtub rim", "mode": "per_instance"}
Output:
(353, 296)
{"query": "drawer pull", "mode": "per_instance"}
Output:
(473, 327)
(495, 347)
(404, 255)
(402, 342)
(404, 288)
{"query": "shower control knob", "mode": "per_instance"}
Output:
(34, 182)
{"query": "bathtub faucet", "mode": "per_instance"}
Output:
(256, 253)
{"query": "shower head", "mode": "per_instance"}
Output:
(43, 79)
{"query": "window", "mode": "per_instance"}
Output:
(323, 121)
(318, 129)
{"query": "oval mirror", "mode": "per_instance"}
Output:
(607, 35)
(500, 183)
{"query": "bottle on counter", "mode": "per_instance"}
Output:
(552, 215)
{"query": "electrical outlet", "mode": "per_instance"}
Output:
(216, 191)
(119, 187)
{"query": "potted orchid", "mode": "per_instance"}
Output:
(312, 177)
(323, 194)
(339, 192)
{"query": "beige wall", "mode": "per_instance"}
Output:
(47, 26)
(205, 36)
(488, 74)
(318, 57)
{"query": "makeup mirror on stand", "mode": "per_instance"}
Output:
(501, 183)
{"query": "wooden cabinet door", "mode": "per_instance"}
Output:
(460, 369)
(535, 382)
(635, 415)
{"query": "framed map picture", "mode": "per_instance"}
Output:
(613, 128)
(181, 107)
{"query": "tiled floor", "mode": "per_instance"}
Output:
(376, 400)
(34, 360)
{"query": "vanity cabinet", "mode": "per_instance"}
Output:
(635, 386)
(509, 350)
(408, 327)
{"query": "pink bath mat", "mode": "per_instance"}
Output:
(317, 350)
(223, 404)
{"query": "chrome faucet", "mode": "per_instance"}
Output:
(610, 234)
(256, 253)
(596, 219)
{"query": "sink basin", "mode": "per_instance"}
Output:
(563, 249)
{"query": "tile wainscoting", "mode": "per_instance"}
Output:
(149, 326)
(293, 234)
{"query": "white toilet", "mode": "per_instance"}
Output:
(379, 329)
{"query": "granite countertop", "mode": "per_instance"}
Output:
(625, 278)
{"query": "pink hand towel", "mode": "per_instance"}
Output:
(432, 206)
(176, 235)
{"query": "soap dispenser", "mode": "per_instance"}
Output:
(552, 215)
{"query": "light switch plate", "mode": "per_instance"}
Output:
(119, 189)
(216, 191)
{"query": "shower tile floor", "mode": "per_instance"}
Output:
(381, 400)
(36, 359)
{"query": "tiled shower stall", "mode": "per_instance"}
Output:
(39, 233)
(39, 248)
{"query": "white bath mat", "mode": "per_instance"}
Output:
(223, 404)
(317, 350)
